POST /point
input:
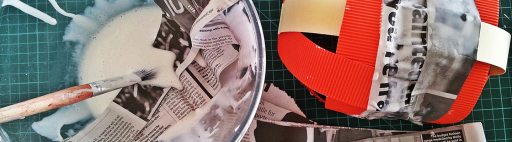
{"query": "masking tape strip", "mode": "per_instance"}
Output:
(493, 47)
(312, 16)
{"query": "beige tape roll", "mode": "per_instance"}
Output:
(314, 16)
(493, 47)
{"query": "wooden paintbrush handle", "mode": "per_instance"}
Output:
(44, 103)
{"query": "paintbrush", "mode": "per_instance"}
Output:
(71, 95)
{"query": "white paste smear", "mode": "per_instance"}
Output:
(30, 10)
(124, 46)
(109, 55)
(82, 20)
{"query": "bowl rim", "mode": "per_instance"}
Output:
(260, 72)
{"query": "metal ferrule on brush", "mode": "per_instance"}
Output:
(103, 86)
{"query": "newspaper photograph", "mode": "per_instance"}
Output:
(453, 45)
(139, 99)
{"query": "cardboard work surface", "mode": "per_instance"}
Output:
(34, 61)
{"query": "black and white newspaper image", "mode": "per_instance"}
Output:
(173, 38)
(453, 42)
(139, 99)
(470, 132)
(426, 51)
(147, 112)
(276, 121)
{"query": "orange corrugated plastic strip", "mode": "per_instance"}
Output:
(345, 77)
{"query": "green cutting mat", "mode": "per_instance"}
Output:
(34, 61)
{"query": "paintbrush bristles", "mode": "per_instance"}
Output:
(146, 74)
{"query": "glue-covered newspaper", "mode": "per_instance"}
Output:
(279, 119)
(426, 51)
(149, 113)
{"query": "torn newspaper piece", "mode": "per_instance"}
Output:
(471, 132)
(276, 96)
(275, 121)
(274, 131)
(150, 112)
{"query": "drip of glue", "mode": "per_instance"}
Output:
(29, 10)
(81, 20)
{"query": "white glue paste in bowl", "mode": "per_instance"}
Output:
(122, 46)
(106, 56)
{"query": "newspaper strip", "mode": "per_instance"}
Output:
(453, 42)
(277, 105)
(471, 132)
(232, 94)
(192, 16)
(115, 124)
(273, 122)
(278, 97)
(273, 131)
(145, 112)
(426, 51)
(401, 55)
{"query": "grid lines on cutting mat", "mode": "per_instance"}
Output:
(33, 59)
(32, 52)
